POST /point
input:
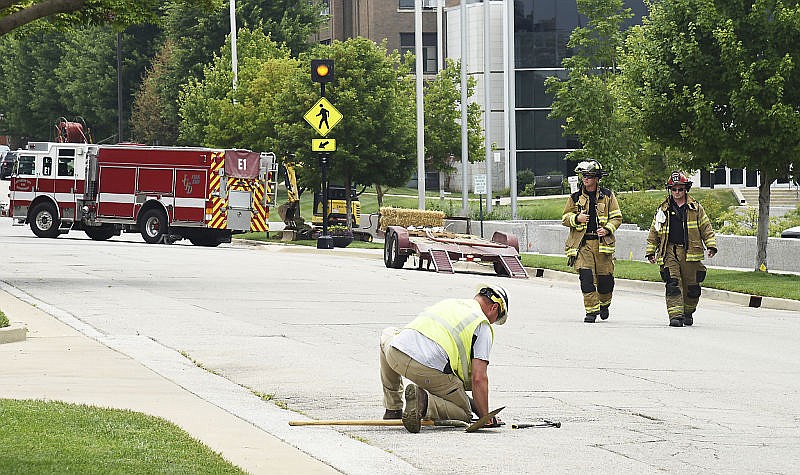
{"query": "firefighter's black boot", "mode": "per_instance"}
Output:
(590, 318)
(604, 312)
(688, 320)
(676, 322)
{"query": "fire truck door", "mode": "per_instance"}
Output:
(65, 185)
(239, 210)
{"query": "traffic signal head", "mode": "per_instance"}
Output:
(322, 70)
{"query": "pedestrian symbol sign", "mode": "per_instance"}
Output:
(323, 117)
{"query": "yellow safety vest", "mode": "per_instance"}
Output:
(451, 323)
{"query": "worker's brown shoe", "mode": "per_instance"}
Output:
(416, 407)
(392, 414)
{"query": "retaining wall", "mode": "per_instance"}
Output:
(547, 237)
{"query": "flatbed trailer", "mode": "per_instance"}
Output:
(440, 249)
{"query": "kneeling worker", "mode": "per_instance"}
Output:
(444, 352)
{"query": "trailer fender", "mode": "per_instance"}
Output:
(507, 239)
(403, 241)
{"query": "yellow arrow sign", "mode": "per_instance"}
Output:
(323, 145)
(323, 116)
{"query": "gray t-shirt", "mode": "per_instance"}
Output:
(429, 353)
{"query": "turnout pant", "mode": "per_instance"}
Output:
(596, 274)
(682, 280)
(447, 398)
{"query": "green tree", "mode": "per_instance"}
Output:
(374, 92)
(69, 73)
(443, 119)
(29, 97)
(69, 13)
(194, 36)
(719, 80)
(591, 101)
(213, 114)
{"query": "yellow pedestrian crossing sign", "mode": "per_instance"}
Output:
(323, 145)
(323, 116)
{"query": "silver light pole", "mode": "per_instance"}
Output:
(464, 105)
(512, 109)
(420, 105)
(487, 107)
(234, 56)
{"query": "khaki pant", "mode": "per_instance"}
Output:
(596, 274)
(447, 398)
(683, 281)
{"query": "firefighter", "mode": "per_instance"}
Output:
(678, 234)
(592, 215)
(444, 352)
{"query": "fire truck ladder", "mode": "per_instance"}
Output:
(441, 261)
(513, 266)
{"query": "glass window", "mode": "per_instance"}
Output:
(66, 166)
(530, 89)
(406, 4)
(535, 131)
(543, 163)
(737, 176)
(429, 62)
(26, 165)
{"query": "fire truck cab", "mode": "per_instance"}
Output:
(165, 193)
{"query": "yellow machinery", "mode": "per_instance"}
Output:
(337, 207)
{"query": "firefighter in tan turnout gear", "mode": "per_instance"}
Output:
(677, 236)
(592, 215)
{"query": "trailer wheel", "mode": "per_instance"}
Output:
(45, 222)
(101, 233)
(391, 252)
(500, 269)
(154, 226)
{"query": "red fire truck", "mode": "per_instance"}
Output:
(165, 193)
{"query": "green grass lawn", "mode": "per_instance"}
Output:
(752, 283)
(38, 437)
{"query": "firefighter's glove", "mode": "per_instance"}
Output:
(712, 251)
(651, 258)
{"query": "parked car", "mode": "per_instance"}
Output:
(7, 164)
(791, 232)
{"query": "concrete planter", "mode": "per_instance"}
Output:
(12, 333)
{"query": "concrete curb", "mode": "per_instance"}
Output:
(654, 287)
(13, 333)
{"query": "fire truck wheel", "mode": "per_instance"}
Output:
(45, 222)
(101, 233)
(391, 252)
(205, 241)
(154, 226)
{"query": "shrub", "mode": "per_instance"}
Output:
(4, 320)
(638, 207)
(744, 222)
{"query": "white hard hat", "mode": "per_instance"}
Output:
(496, 294)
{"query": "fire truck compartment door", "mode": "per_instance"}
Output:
(239, 210)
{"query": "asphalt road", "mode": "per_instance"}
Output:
(633, 395)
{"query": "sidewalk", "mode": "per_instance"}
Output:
(57, 362)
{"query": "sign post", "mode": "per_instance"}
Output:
(323, 117)
(479, 184)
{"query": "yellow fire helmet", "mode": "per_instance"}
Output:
(498, 295)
